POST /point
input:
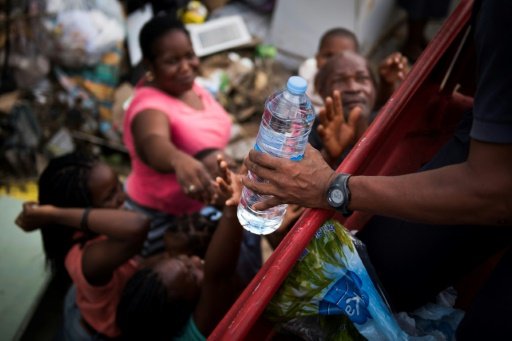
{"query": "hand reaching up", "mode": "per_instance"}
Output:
(393, 69)
(336, 132)
(230, 183)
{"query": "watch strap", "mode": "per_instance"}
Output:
(341, 182)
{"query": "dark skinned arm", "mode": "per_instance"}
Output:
(220, 284)
(125, 231)
(473, 192)
(152, 138)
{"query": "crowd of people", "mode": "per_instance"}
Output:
(163, 255)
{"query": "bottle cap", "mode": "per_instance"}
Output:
(297, 85)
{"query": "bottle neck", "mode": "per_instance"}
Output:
(292, 97)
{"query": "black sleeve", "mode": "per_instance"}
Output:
(493, 99)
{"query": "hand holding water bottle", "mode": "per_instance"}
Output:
(284, 130)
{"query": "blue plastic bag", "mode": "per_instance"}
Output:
(330, 289)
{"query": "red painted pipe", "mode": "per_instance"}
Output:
(392, 124)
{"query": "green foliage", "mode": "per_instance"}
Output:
(302, 290)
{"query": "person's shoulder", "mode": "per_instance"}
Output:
(148, 97)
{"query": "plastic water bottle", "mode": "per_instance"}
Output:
(284, 129)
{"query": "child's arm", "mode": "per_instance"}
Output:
(220, 284)
(126, 232)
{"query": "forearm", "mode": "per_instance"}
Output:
(159, 153)
(220, 283)
(476, 191)
(224, 249)
(457, 194)
(117, 224)
(153, 141)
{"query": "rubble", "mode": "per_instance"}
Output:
(75, 98)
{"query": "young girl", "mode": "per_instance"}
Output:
(182, 297)
(85, 231)
(194, 232)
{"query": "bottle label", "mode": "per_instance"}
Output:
(293, 158)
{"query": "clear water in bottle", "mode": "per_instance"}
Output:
(284, 130)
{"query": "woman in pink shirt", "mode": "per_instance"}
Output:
(169, 120)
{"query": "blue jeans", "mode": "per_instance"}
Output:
(72, 328)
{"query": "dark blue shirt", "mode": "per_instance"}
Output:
(492, 116)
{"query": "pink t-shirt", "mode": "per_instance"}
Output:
(191, 131)
(98, 304)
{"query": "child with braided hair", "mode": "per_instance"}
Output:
(182, 297)
(86, 233)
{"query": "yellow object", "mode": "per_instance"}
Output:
(194, 13)
(26, 191)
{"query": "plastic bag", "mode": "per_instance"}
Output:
(331, 281)
(79, 32)
(28, 66)
(435, 320)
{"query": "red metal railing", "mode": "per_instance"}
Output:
(410, 128)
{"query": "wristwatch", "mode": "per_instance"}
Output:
(338, 194)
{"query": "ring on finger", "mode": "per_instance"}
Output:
(191, 188)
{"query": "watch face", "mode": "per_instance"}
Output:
(336, 196)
